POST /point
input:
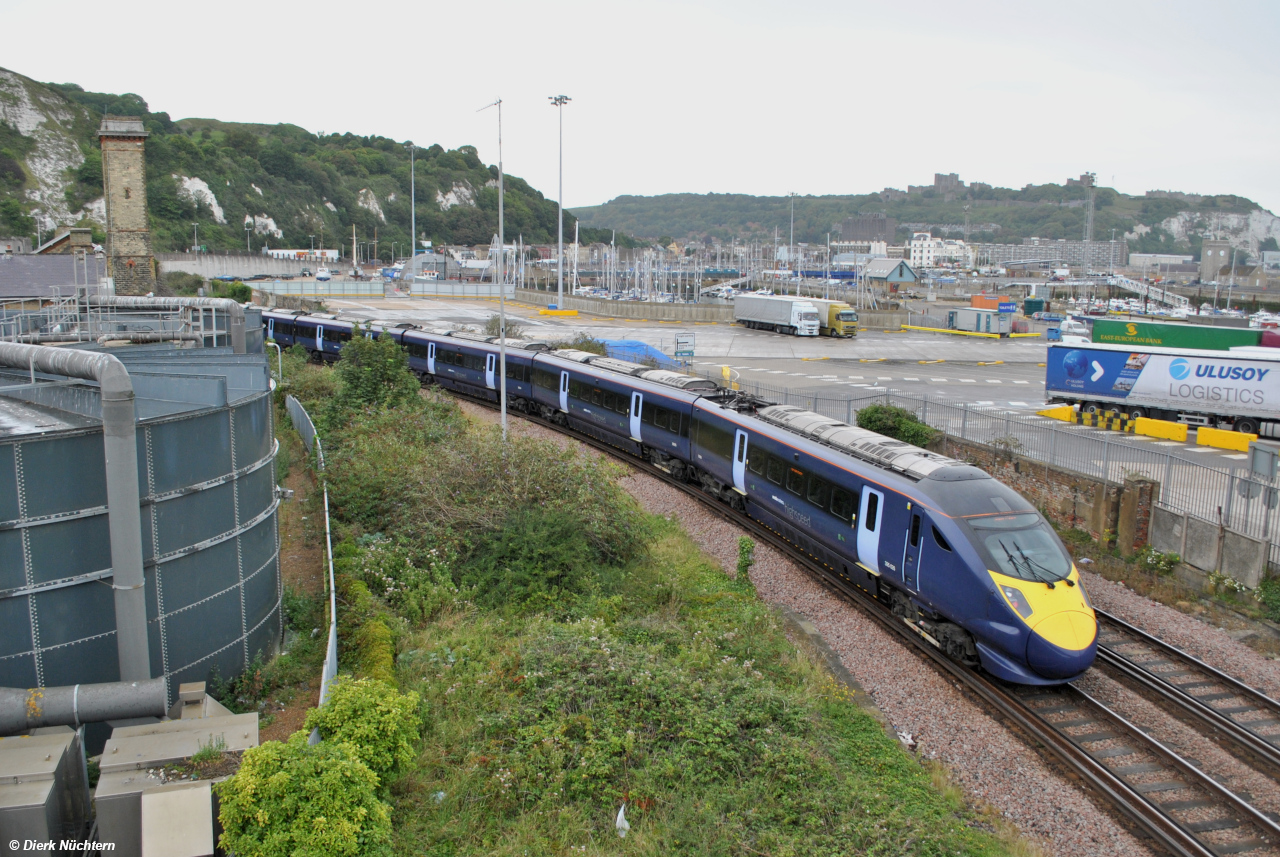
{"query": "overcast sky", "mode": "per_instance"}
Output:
(811, 96)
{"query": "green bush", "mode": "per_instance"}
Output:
(746, 556)
(539, 558)
(381, 726)
(417, 584)
(292, 800)
(1157, 563)
(373, 373)
(897, 423)
(239, 292)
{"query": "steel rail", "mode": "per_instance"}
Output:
(1130, 803)
(1245, 739)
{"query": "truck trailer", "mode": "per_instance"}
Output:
(835, 318)
(1237, 389)
(791, 315)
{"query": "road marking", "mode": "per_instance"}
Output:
(884, 378)
(981, 404)
(1024, 382)
(994, 381)
(1020, 404)
(1200, 449)
(1241, 457)
(859, 385)
(911, 379)
(967, 381)
(796, 375)
(855, 377)
(940, 379)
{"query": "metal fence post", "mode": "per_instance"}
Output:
(924, 411)
(1226, 513)
(848, 411)
(1053, 447)
(1167, 487)
(964, 421)
(1106, 459)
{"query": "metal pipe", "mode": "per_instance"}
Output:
(72, 705)
(120, 454)
(234, 311)
(123, 336)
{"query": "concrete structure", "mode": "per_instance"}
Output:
(15, 246)
(124, 179)
(853, 250)
(1153, 261)
(1102, 256)
(44, 792)
(1213, 255)
(929, 252)
(186, 552)
(46, 276)
(1207, 547)
(210, 265)
(868, 227)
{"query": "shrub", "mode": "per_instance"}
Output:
(381, 726)
(493, 327)
(239, 292)
(292, 800)
(581, 342)
(897, 423)
(746, 556)
(373, 373)
(416, 584)
(539, 558)
(1152, 560)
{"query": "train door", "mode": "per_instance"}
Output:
(320, 338)
(431, 357)
(637, 402)
(271, 328)
(564, 392)
(911, 554)
(490, 360)
(740, 462)
(869, 531)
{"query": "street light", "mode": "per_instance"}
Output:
(560, 101)
(501, 279)
(248, 226)
(195, 237)
(312, 239)
(413, 204)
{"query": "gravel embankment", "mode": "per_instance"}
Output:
(991, 763)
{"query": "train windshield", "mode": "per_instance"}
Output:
(1021, 545)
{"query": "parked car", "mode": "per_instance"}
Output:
(305, 272)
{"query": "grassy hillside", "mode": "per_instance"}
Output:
(1047, 211)
(290, 183)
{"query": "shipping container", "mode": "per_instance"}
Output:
(1154, 334)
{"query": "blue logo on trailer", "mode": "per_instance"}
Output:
(1179, 369)
(1075, 364)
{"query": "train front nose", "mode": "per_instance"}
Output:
(1063, 644)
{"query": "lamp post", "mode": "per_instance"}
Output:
(560, 101)
(312, 239)
(501, 280)
(248, 227)
(195, 237)
(413, 204)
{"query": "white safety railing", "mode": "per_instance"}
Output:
(310, 438)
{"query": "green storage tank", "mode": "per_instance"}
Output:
(1153, 333)
(1032, 305)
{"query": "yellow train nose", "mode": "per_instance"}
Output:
(1068, 629)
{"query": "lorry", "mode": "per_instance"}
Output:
(835, 318)
(1141, 334)
(792, 315)
(1237, 389)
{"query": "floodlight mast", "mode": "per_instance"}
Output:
(560, 101)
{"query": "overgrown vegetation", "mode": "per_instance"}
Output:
(493, 326)
(568, 655)
(897, 423)
(581, 342)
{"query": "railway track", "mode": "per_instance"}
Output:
(1185, 811)
(1242, 718)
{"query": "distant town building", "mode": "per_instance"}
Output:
(73, 240)
(14, 246)
(861, 248)
(948, 185)
(889, 274)
(1271, 259)
(1092, 255)
(1213, 256)
(1085, 180)
(929, 252)
(868, 227)
(1243, 275)
(1156, 260)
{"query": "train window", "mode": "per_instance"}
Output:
(819, 491)
(843, 503)
(336, 334)
(915, 531)
(606, 400)
(660, 417)
(623, 405)
(795, 481)
(776, 469)
(646, 414)
(742, 448)
(873, 506)
(942, 543)
(596, 397)
(684, 425)
(757, 461)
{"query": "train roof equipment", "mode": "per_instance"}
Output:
(895, 455)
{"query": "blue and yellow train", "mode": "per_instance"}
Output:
(964, 560)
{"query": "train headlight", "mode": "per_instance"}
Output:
(1017, 600)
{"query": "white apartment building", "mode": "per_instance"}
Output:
(930, 252)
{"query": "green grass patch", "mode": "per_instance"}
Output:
(680, 697)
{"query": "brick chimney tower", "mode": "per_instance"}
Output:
(124, 180)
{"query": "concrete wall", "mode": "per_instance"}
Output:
(632, 309)
(1101, 508)
(1207, 547)
(210, 265)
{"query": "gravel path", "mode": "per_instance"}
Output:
(993, 765)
